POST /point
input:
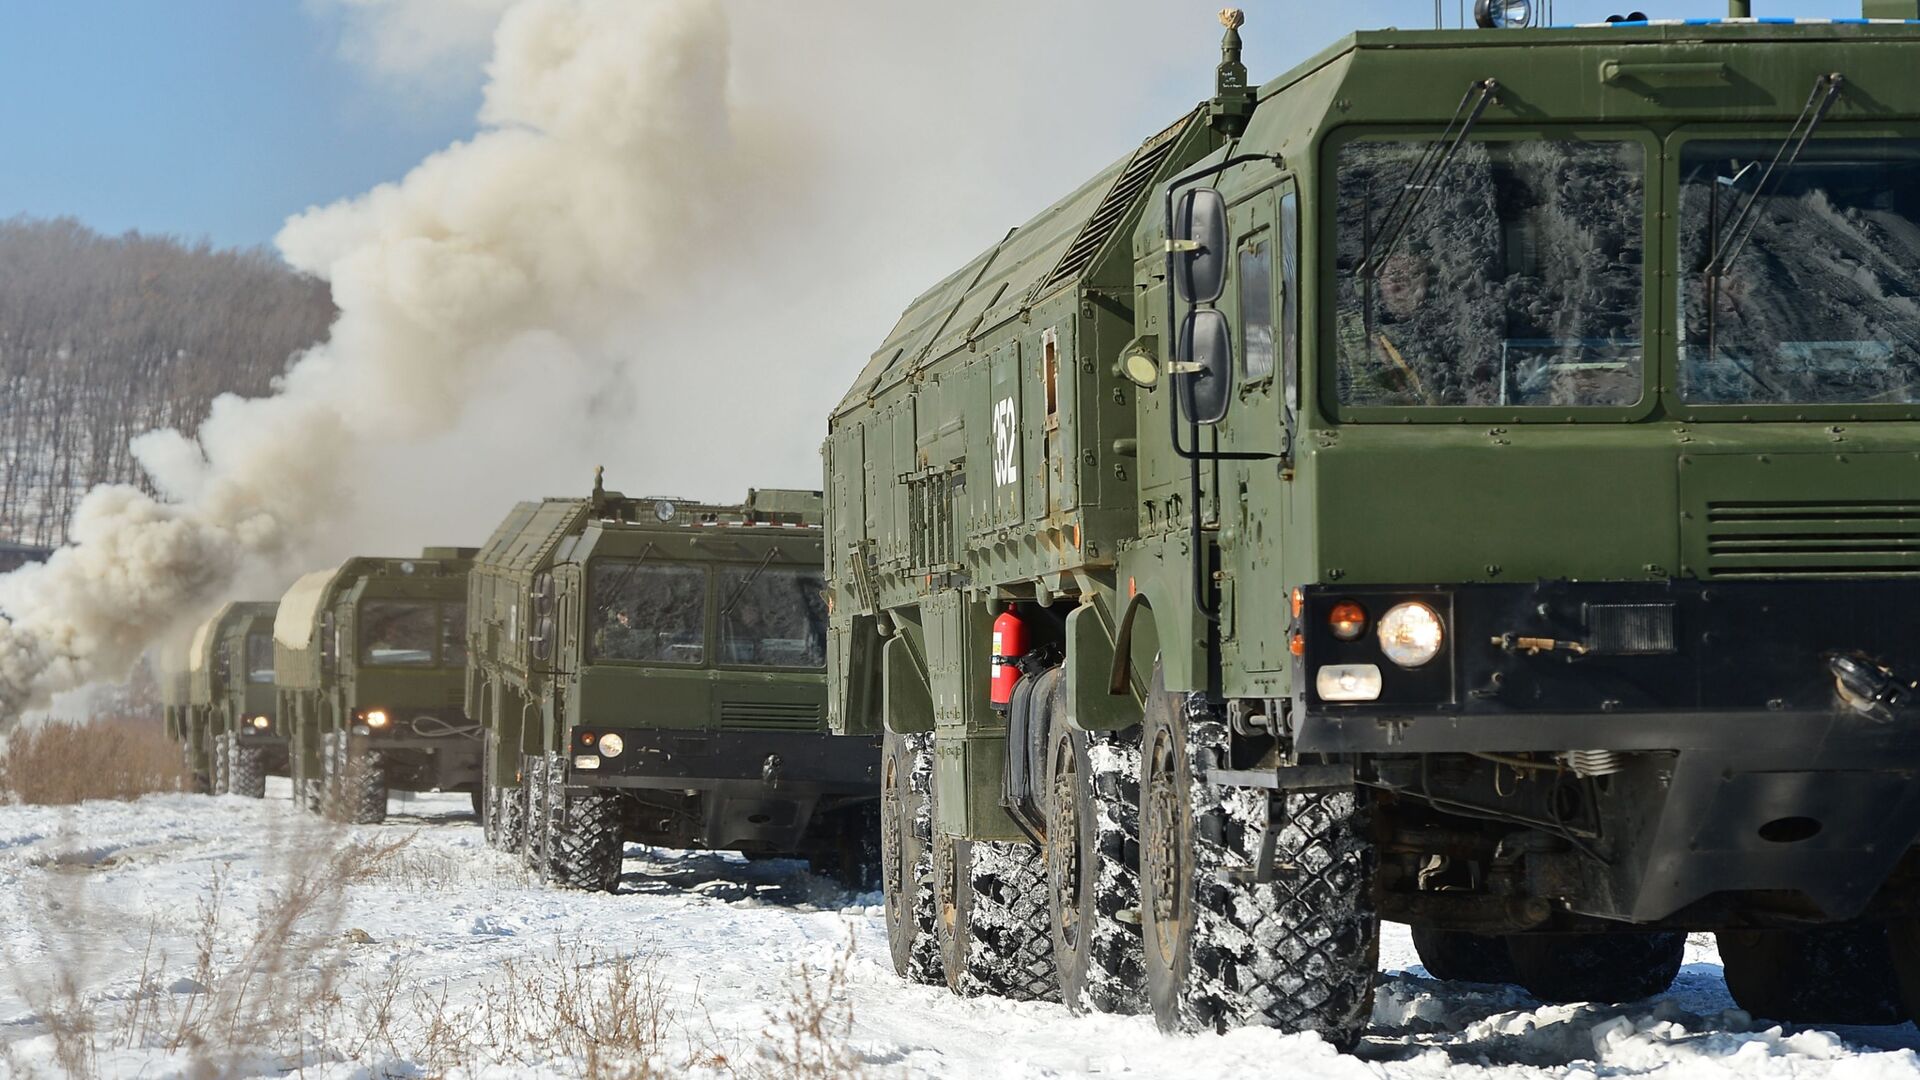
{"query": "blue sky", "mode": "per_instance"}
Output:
(218, 118)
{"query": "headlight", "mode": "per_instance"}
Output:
(377, 718)
(260, 723)
(1347, 682)
(611, 745)
(1411, 634)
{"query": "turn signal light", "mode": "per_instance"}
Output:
(1347, 620)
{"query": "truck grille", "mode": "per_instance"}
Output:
(769, 715)
(1814, 538)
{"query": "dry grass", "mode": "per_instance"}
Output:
(61, 762)
(810, 1037)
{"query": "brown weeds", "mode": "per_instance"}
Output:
(61, 762)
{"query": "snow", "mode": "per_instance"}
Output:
(112, 897)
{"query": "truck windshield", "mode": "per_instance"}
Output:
(259, 658)
(1519, 282)
(1817, 299)
(656, 612)
(778, 617)
(397, 633)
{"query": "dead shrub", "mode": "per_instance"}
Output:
(61, 762)
(810, 1037)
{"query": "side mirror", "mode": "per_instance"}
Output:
(1205, 378)
(1200, 246)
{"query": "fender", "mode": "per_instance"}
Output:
(907, 694)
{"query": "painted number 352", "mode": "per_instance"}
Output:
(1006, 442)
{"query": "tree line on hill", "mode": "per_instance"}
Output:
(103, 338)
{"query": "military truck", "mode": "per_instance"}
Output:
(370, 662)
(651, 670)
(1470, 480)
(218, 698)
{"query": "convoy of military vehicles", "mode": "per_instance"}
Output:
(1468, 481)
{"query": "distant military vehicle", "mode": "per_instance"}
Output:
(370, 661)
(1469, 480)
(652, 670)
(219, 702)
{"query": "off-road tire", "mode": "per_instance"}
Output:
(1458, 956)
(366, 785)
(200, 779)
(1826, 975)
(1091, 800)
(509, 820)
(246, 768)
(1297, 953)
(217, 749)
(533, 845)
(584, 841)
(906, 856)
(306, 789)
(332, 784)
(1610, 968)
(990, 917)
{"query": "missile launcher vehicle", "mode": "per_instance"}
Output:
(370, 665)
(653, 670)
(219, 702)
(1472, 480)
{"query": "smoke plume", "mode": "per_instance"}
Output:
(680, 229)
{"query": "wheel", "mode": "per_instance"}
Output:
(584, 839)
(331, 783)
(487, 808)
(1458, 956)
(854, 860)
(367, 787)
(510, 821)
(1297, 953)
(1093, 861)
(201, 780)
(990, 917)
(219, 747)
(533, 843)
(1609, 967)
(1827, 975)
(306, 789)
(906, 855)
(246, 768)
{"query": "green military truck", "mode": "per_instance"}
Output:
(370, 662)
(1472, 480)
(652, 670)
(219, 702)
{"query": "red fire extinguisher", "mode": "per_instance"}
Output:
(1009, 645)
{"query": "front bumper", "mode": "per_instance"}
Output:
(1749, 772)
(791, 762)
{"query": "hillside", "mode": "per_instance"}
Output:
(105, 337)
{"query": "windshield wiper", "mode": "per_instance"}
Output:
(742, 590)
(1426, 173)
(1825, 89)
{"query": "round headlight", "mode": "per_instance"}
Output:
(611, 745)
(1411, 634)
(1503, 14)
(260, 723)
(377, 718)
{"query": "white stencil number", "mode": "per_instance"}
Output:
(1006, 442)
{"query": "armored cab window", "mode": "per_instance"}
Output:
(649, 612)
(1815, 297)
(776, 617)
(259, 658)
(397, 633)
(453, 635)
(1518, 281)
(1256, 306)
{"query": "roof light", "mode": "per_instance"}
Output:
(1503, 14)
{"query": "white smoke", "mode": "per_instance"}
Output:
(680, 230)
(605, 149)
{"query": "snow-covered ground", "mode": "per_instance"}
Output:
(444, 958)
